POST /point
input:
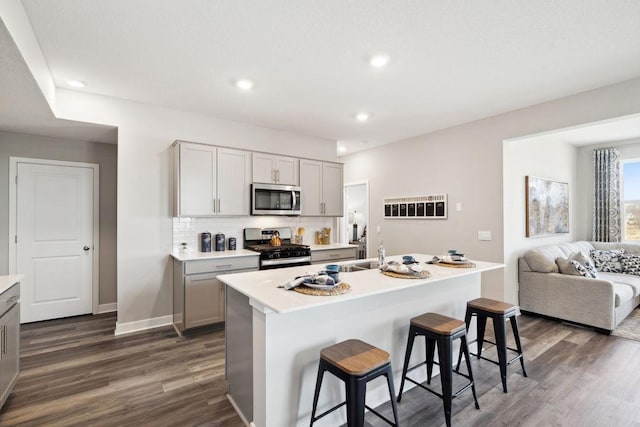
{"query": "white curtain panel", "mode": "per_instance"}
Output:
(606, 209)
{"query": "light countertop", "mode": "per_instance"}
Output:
(194, 255)
(331, 246)
(8, 281)
(262, 286)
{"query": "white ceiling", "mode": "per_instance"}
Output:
(451, 61)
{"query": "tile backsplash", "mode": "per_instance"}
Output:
(188, 229)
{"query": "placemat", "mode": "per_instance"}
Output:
(465, 265)
(339, 289)
(423, 275)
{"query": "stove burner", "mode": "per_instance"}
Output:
(286, 255)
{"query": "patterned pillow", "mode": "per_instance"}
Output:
(586, 262)
(630, 264)
(607, 260)
(572, 267)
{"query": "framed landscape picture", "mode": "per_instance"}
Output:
(547, 206)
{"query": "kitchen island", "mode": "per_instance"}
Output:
(274, 336)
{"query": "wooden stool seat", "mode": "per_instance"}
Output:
(491, 305)
(356, 363)
(439, 332)
(438, 324)
(355, 357)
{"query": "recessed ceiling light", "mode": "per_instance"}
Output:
(362, 117)
(244, 84)
(342, 149)
(379, 60)
(76, 83)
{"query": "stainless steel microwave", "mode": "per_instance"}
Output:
(275, 199)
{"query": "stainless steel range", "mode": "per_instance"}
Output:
(275, 247)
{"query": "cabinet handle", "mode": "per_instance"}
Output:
(218, 205)
(224, 266)
(278, 175)
(4, 339)
(2, 342)
(214, 205)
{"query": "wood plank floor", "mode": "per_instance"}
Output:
(75, 372)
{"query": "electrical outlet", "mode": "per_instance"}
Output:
(459, 207)
(378, 229)
(484, 235)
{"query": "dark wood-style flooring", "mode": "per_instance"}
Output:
(75, 372)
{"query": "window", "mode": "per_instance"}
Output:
(631, 200)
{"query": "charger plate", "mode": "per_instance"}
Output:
(339, 289)
(463, 265)
(424, 274)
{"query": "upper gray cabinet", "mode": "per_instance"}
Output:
(272, 169)
(321, 188)
(211, 181)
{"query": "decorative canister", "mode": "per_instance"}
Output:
(219, 242)
(205, 242)
(231, 243)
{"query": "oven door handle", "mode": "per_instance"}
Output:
(284, 261)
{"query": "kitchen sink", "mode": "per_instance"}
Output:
(361, 266)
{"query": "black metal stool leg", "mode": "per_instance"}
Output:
(500, 330)
(316, 394)
(431, 349)
(481, 320)
(465, 347)
(392, 393)
(467, 321)
(407, 356)
(516, 336)
(356, 390)
(445, 350)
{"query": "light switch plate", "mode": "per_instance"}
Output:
(484, 235)
(459, 207)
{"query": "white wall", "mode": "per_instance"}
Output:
(467, 162)
(550, 160)
(145, 224)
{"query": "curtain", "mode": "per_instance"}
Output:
(606, 211)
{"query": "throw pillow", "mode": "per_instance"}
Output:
(607, 260)
(586, 262)
(572, 267)
(630, 264)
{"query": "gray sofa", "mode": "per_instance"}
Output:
(601, 303)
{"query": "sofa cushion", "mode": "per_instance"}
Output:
(630, 264)
(607, 260)
(543, 259)
(586, 262)
(626, 279)
(572, 267)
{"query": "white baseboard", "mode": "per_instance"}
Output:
(107, 308)
(141, 325)
(239, 412)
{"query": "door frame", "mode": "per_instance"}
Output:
(13, 205)
(345, 219)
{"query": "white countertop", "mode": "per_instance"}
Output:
(8, 281)
(331, 246)
(193, 255)
(262, 286)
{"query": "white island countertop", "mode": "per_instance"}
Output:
(8, 281)
(264, 294)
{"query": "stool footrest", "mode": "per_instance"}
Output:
(313, 420)
(379, 415)
(454, 394)
(518, 356)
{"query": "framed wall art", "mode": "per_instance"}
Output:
(547, 207)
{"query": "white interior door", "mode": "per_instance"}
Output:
(54, 240)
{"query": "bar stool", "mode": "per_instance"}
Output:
(439, 331)
(498, 312)
(356, 363)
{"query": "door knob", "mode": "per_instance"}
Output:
(86, 248)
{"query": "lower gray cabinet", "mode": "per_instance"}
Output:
(9, 340)
(333, 255)
(198, 296)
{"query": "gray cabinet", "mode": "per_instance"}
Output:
(321, 187)
(9, 340)
(211, 181)
(272, 169)
(198, 296)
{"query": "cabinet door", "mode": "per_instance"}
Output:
(197, 180)
(10, 350)
(288, 170)
(234, 179)
(332, 189)
(263, 168)
(204, 300)
(311, 187)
